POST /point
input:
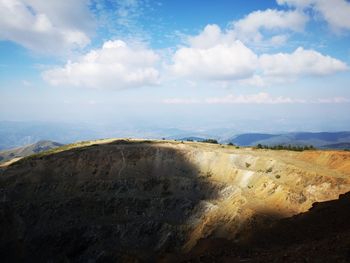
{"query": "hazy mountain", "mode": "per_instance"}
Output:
(27, 150)
(16, 134)
(250, 138)
(342, 145)
(318, 139)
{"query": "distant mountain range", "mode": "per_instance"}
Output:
(325, 140)
(17, 134)
(27, 150)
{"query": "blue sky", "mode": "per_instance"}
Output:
(245, 65)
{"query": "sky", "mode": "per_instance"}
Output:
(245, 65)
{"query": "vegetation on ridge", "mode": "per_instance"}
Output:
(289, 147)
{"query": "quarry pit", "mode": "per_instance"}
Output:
(140, 200)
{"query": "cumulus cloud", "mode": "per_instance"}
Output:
(115, 65)
(216, 55)
(299, 63)
(46, 26)
(249, 28)
(287, 67)
(276, 23)
(211, 36)
(259, 98)
(222, 62)
(213, 55)
(335, 12)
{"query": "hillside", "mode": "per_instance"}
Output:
(27, 150)
(328, 140)
(140, 200)
(321, 234)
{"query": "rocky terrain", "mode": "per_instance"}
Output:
(135, 200)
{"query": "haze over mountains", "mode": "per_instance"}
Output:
(331, 140)
(18, 134)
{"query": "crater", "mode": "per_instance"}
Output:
(132, 200)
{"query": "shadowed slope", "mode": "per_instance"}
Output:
(100, 202)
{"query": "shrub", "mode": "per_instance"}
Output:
(210, 141)
(209, 174)
(269, 170)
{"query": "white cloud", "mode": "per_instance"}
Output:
(335, 12)
(259, 98)
(249, 28)
(211, 36)
(46, 26)
(217, 56)
(115, 65)
(255, 80)
(288, 67)
(213, 55)
(299, 63)
(335, 100)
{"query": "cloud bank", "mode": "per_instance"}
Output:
(214, 54)
(259, 98)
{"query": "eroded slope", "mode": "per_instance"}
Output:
(130, 199)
